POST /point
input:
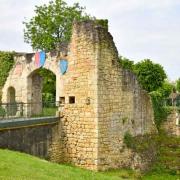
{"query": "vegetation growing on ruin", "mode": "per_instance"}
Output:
(141, 144)
(102, 22)
(152, 78)
(6, 63)
(126, 63)
(161, 112)
(167, 152)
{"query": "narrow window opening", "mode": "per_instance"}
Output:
(71, 99)
(113, 62)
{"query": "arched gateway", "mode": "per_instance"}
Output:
(27, 83)
(102, 101)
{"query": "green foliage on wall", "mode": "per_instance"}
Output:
(151, 77)
(126, 63)
(160, 111)
(128, 140)
(6, 63)
(142, 144)
(161, 149)
(102, 22)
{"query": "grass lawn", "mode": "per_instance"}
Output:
(19, 166)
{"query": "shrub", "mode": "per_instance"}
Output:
(128, 140)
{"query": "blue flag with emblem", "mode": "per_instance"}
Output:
(63, 65)
(42, 55)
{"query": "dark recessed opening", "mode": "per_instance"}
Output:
(62, 100)
(113, 62)
(132, 121)
(71, 99)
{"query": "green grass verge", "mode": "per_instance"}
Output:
(20, 166)
(47, 112)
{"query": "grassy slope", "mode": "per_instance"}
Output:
(168, 164)
(19, 166)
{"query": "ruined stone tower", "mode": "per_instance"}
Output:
(102, 101)
(108, 101)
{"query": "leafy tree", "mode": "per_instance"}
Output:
(178, 85)
(150, 75)
(126, 63)
(52, 24)
(166, 89)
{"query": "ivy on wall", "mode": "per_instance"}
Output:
(161, 112)
(6, 63)
(102, 22)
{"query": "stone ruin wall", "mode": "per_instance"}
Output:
(93, 133)
(108, 100)
(80, 121)
(122, 106)
(172, 124)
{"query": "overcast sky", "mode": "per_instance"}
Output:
(141, 28)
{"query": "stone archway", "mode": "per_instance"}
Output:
(35, 101)
(22, 81)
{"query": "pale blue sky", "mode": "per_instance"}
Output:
(141, 28)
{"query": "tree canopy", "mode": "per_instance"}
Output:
(166, 89)
(150, 75)
(126, 63)
(52, 24)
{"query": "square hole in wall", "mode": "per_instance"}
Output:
(113, 62)
(71, 99)
(62, 100)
